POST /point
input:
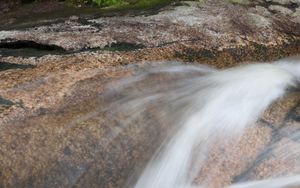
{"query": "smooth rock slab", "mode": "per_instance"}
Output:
(55, 132)
(77, 143)
(211, 25)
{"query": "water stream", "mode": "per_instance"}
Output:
(163, 125)
(205, 108)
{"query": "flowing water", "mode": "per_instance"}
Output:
(204, 109)
(163, 125)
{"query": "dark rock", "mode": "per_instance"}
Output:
(7, 66)
(7, 5)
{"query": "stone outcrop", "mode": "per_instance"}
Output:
(53, 131)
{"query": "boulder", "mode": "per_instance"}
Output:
(54, 129)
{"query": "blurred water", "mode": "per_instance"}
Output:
(203, 107)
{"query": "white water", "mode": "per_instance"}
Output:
(204, 106)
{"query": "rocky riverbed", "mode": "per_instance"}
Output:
(53, 71)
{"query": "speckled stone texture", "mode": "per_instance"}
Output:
(268, 149)
(54, 133)
(63, 137)
(208, 25)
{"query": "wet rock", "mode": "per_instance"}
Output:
(284, 2)
(296, 15)
(280, 157)
(56, 121)
(291, 126)
(278, 112)
(67, 140)
(6, 102)
(7, 66)
(280, 9)
(283, 159)
(269, 149)
(262, 10)
(237, 156)
(172, 24)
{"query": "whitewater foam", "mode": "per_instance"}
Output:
(204, 106)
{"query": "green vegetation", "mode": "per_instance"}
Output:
(122, 3)
(150, 3)
(118, 4)
(244, 2)
(100, 3)
(103, 3)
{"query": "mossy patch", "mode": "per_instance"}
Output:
(141, 4)
(121, 4)
(243, 2)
